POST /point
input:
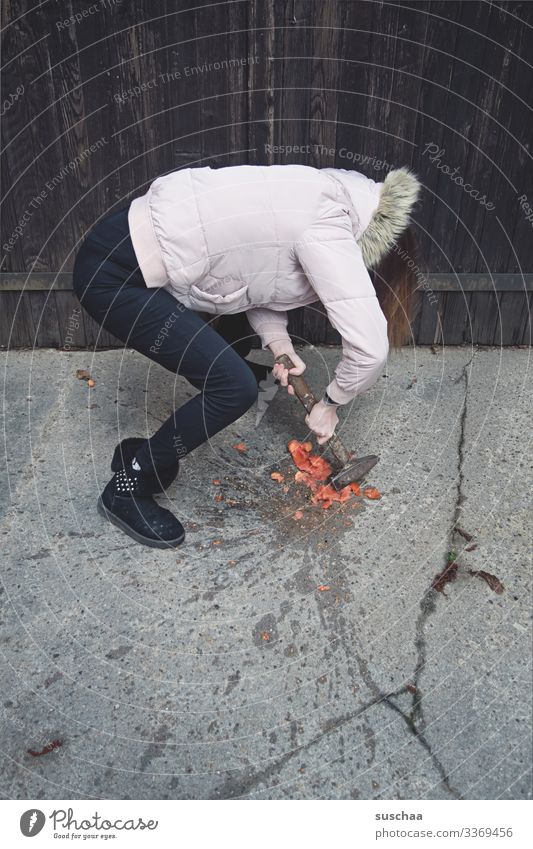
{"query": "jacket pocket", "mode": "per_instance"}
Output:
(219, 292)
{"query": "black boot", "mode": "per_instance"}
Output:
(125, 452)
(127, 502)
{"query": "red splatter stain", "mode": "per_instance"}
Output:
(411, 688)
(323, 588)
(298, 515)
(240, 446)
(55, 744)
(468, 537)
(494, 583)
(265, 636)
(277, 476)
(448, 574)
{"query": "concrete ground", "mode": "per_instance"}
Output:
(220, 670)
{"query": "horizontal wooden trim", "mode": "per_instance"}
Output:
(35, 281)
(44, 281)
(479, 283)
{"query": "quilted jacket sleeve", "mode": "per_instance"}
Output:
(270, 325)
(332, 261)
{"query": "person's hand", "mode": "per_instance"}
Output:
(280, 372)
(322, 420)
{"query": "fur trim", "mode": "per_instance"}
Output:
(399, 193)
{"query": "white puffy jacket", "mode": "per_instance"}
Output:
(267, 239)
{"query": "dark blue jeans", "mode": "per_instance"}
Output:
(111, 288)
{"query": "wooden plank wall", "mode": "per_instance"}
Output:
(96, 107)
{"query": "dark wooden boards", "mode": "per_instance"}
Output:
(33, 317)
(96, 108)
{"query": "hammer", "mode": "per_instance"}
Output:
(351, 470)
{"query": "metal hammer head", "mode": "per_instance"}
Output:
(354, 472)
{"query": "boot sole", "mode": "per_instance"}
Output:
(152, 543)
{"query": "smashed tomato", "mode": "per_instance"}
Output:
(314, 470)
(318, 468)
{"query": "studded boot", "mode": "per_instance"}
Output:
(127, 502)
(125, 452)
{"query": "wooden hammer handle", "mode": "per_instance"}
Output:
(298, 383)
(308, 401)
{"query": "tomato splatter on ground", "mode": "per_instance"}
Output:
(240, 446)
(219, 497)
(468, 537)
(316, 468)
(298, 515)
(265, 636)
(494, 583)
(215, 482)
(277, 476)
(323, 588)
(313, 471)
(448, 574)
(55, 744)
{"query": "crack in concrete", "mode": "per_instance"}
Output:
(460, 452)
(415, 718)
(387, 699)
(235, 788)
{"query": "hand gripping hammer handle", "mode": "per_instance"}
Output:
(308, 401)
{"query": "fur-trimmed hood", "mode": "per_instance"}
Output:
(380, 212)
